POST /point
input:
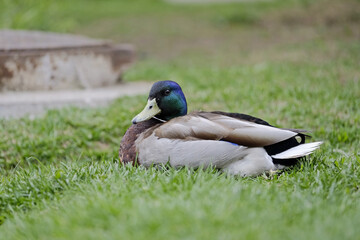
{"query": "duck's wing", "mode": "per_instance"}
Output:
(253, 119)
(215, 126)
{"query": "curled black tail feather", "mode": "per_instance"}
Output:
(283, 146)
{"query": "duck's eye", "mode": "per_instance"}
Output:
(166, 92)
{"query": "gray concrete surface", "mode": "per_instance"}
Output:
(35, 103)
(34, 60)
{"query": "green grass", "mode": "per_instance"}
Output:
(108, 201)
(60, 177)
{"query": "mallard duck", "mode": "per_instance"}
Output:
(236, 143)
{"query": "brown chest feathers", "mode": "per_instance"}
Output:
(127, 152)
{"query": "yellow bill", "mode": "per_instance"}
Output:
(151, 109)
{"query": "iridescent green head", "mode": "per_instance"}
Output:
(166, 101)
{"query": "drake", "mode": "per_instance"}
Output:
(236, 143)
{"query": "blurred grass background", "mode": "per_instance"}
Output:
(265, 56)
(244, 32)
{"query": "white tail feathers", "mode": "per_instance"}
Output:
(298, 151)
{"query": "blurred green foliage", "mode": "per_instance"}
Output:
(65, 15)
(34, 14)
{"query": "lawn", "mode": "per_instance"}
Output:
(293, 63)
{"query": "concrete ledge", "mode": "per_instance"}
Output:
(33, 60)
